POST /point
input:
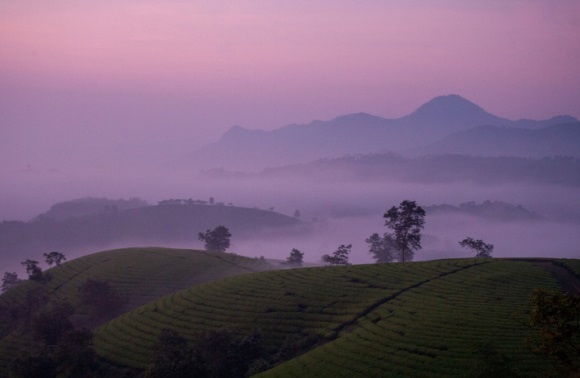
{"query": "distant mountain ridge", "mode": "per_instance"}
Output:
(555, 140)
(358, 133)
(389, 167)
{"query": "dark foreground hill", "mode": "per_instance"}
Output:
(424, 319)
(135, 275)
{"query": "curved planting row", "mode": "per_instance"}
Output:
(137, 275)
(140, 275)
(311, 301)
(435, 328)
(573, 265)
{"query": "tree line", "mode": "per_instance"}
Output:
(403, 238)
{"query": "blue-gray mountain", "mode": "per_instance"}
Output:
(556, 140)
(360, 133)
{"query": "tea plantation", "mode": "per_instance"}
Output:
(420, 319)
(138, 275)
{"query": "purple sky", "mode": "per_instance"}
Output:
(83, 79)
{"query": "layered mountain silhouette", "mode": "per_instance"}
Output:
(556, 140)
(358, 133)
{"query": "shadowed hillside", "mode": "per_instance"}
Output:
(136, 275)
(150, 225)
(422, 319)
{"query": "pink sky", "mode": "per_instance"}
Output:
(116, 74)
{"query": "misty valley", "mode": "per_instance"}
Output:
(440, 243)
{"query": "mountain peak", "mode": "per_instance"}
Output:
(452, 105)
(454, 112)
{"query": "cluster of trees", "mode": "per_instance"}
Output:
(191, 201)
(34, 271)
(555, 316)
(221, 353)
(403, 239)
(58, 346)
(405, 223)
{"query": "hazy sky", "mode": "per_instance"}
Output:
(80, 79)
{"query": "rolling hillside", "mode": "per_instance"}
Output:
(421, 319)
(138, 275)
(415, 319)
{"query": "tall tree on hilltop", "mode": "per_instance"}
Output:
(54, 257)
(405, 222)
(339, 257)
(481, 249)
(217, 239)
(295, 258)
(32, 269)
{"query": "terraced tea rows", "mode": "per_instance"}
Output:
(138, 275)
(314, 301)
(432, 330)
(573, 265)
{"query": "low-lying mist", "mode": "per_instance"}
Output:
(338, 212)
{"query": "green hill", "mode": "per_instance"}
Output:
(137, 275)
(414, 319)
(420, 319)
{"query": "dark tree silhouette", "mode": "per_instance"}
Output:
(339, 257)
(217, 239)
(54, 257)
(405, 222)
(481, 249)
(383, 249)
(556, 316)
(9, 281)
(32, 269)
(295, 258)
(173, 357)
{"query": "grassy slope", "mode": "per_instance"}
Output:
(418, 319)
(432, 330)
(139, 275)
